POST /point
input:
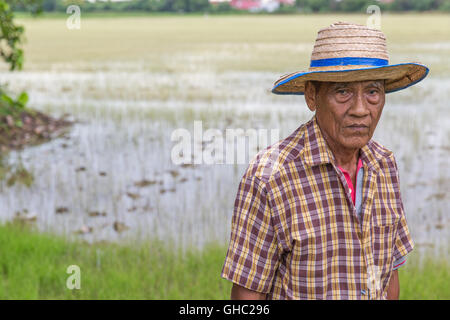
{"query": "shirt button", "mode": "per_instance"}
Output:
(350, 190)
(363, 292)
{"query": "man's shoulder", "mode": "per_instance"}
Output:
(269, 162)
(383, 162)
(379, 150)
(381, 154)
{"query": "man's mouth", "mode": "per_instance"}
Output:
(358, 127)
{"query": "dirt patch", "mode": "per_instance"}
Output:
(30, 128)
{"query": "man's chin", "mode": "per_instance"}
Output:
(355, 142)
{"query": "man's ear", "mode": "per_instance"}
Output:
(310, 95)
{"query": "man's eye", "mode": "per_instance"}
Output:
(373, 91)
(342, 91)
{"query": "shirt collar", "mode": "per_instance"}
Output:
(316, 151)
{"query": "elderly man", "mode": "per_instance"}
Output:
(319, 215)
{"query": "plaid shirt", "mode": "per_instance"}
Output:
(295, 232)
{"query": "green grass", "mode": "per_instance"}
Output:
(430, 281)
(33, 266)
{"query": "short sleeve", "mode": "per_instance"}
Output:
(252, 257)
(399, 263)
(403, 242)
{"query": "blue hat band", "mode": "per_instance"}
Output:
(349, 61)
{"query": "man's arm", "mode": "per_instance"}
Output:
(253, 254)
(393, 291)
(240, 293)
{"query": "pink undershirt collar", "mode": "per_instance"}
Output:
(349, 180)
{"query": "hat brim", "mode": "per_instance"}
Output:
(397, 76)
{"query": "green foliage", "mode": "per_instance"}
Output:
(320, 5)
(220, 7)
(11, 37)
(286, 9)
(11, 106)
(361, 5)
(135, 5)
(428, 279)
(445, 6)
(416, 5)
(33, 266)
(354, 5)
(186, 6)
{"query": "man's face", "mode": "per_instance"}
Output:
(347, 112)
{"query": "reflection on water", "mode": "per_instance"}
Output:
(111, 177)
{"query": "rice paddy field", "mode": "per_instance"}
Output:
(109, 188)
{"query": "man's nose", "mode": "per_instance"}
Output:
(359, 107)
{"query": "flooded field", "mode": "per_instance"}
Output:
(111, 177)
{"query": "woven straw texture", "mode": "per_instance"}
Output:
(347, 40)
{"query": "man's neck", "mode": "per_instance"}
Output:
(345, 158)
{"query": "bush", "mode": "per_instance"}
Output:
(11, 106)
(445, 6)
(354, 5)
(286, 9)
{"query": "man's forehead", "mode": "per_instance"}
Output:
(376, 83)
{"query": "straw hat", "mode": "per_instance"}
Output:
(347, 52)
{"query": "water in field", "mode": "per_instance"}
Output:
(111, 177)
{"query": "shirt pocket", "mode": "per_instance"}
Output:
(383, 241)
(384, 231)
(385, 216)
(383, 237)
(385, 221)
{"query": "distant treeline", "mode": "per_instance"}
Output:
(306, 6)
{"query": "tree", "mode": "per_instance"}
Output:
(11, 35)
(354, 5)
